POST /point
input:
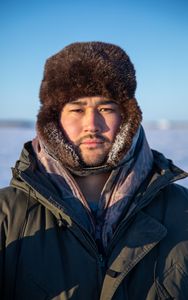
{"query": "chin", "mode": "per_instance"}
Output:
(94, 162)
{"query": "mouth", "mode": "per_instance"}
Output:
(92, 142)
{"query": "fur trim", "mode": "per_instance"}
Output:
(87, 69)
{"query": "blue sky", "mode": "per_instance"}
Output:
(153, 32)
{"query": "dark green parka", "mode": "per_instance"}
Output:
(46, 254)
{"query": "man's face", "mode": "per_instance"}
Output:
(91, 125)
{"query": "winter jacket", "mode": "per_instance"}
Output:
(46, 254)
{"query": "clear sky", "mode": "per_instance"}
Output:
(153, 32)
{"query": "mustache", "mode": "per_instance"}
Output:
(92, 136)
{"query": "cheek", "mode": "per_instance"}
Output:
(114, 125)
(71, 129)
(72, 132)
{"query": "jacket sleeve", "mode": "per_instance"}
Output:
(3, 233)
(13, 207)
(174, 253)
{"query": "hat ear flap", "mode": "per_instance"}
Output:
(132, 117)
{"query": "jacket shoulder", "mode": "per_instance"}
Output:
(10, 197)
(176, 195)
(170, 200)
(170, 205)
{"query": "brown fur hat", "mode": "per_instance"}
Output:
(83, 70)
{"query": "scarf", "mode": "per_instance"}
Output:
(116, 195)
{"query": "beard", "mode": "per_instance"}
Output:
(94, 154)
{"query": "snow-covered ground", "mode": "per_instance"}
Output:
(172, 142)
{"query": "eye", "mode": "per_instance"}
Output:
(76, 110)
(107, 109)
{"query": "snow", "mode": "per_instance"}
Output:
(171, 142)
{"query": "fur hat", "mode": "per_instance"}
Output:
(84, 70)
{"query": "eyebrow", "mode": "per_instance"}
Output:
(101, 102)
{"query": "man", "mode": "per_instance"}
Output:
(92, 212)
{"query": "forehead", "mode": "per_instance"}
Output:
(92, 101)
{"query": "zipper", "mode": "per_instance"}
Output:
(93, 245)
(102, 260)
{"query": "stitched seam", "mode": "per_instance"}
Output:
(162, 291)
(182, 271)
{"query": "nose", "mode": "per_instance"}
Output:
(92, 122)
